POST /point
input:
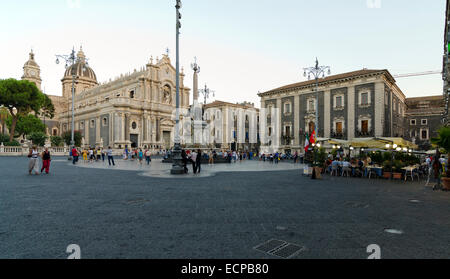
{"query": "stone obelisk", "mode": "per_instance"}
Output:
(196, 69)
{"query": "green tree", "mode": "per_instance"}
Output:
(56, 141)
(38, 138)
(26, 125)
(443, 141)
(4, 113)
(21, 97)
(67, 137)
(48, 109)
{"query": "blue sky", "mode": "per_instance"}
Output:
(242, 46)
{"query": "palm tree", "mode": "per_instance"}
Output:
(4, 113)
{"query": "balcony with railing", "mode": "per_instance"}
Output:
(341, 134)
(364, 133)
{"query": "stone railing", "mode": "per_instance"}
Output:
(23, 151)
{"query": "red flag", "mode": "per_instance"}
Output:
(312, 138)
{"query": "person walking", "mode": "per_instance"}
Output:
(184, 159)
(141, 156)
(110, 156)
(194, 161)
(211, 158)
(74, 155)
(46, 161)
(99, 154)
(103, 154)
(199, 161)
(148, 157)
(84, 156)
(33, 164)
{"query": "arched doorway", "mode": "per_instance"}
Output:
(311, 127)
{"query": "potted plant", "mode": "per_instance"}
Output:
(443, 141)
(397, 167)
(387, 169)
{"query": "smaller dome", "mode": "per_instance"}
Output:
(31, 61)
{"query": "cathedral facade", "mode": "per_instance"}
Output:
(134, 110)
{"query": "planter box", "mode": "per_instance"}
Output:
(445, 183)
(397, 175)
(387, 175)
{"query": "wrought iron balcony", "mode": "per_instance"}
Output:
(366, 134)
(338, 134)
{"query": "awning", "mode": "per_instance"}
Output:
(381, 143)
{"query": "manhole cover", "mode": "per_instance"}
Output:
(393, 231)
(270, 245)
(288, 251)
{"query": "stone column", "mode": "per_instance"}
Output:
(280, 125)
(97, 130)
(296, 128)
(352, 118)
(195, 87)
(379, 109)
(127, 126)
(327, 113)
(87, 124)
(111, 129)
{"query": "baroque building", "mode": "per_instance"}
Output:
(424, 117)
(134, 110)
(233, 126)
(359, 104)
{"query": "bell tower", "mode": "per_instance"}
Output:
(32, 71)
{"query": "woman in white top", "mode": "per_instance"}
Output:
(34, 161)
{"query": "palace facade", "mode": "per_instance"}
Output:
(134, 110)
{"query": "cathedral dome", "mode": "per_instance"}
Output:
(81, 68)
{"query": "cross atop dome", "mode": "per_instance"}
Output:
(32, 55)
(80, 55)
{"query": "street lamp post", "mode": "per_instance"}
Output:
(317, 71)
(206, 93)
(177, 167)
(70, 60)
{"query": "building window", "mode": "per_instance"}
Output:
(364, 99)
(412, 122)
(338, 102)
(287, 108)
(424, 134)
(287, 130)
(92, 123)
(55, 132)
(339, 128)
(134, 125)
(424, 122)
(82, 125)
(270, 131)
(105, 121)
(132, 94)
(312, 105)
(269, 108)
(365, 126)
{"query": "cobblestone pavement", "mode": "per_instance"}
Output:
(118, 213)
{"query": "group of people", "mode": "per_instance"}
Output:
(193, 157)
(34, 164)
(92, 155)
(137, 154)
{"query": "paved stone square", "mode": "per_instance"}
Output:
(129, 212)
